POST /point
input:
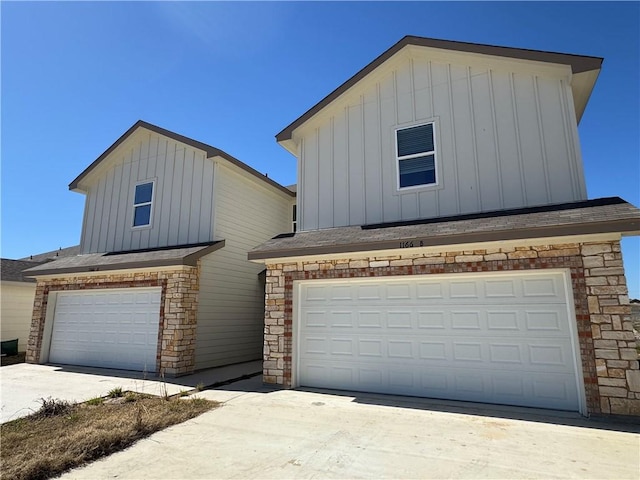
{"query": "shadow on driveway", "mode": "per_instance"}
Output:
(618, 423)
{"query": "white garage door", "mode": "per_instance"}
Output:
(111, 328)
(501, 338)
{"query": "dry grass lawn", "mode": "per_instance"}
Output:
(62, 436)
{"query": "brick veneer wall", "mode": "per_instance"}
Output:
(178, 311)
(601, 303)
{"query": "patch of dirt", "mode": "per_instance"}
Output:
(54, 440)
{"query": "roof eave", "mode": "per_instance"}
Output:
(190, 260)
(75, 185)
(623, 227)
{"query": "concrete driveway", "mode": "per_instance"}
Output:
(23, 385)
(263, 433)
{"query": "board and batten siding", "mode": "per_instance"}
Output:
(16, 309)
(182, 209)
(231, 299)
(506, 137)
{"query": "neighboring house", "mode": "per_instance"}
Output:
(446, 247)
(17, 293)
(16, 301)
(162, 282)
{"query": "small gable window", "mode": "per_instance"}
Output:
(142, 204)
(416, 154)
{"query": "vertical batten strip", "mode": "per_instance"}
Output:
(412, 89)
(381, 176)
(177, 174)
(439, 172)
(454, 152)
(519, 146)
(348, 161)
(317, 164)
(364, 162)
(571, 155)
(113, 213)
(543, 150)
(430, 81)
(125, 226)
(171, 163)
(199, 199)
(394, 77)
(474, 140)
(412, 92)
(332, 167)
(100, 194)
(85, 217)
(576, 144)
(496, 141)
(160, 204)
(300, 187)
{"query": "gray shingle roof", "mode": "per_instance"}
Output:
(593, 216)
(92, 262)
(11, 270)
(54, 254)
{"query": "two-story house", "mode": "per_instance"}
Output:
(162, 282)
(445, 244)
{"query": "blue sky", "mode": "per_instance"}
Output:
(76, 75)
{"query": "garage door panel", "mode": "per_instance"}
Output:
(369, 319)
(340, 320)
(370, 348)
(369, 292)
(399, 319)
(107, 328)
(512, 345)
(506, 353)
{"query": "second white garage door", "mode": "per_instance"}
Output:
(501, 338)
(111, 328)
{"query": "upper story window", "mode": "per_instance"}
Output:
(143, 199)
(416, 154)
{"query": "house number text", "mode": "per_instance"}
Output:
(411, 244)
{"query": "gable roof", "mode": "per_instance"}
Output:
(210, 151)
(578, 63)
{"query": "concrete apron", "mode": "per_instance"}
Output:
(24, 385)
(263, 433)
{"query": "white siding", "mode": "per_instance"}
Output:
(505, 135)
(183, 196)
(16, 311)
(231, 299)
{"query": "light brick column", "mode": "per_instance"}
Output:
(274, 327)
(612, 331)
(178, 333)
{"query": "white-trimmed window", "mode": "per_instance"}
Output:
(142, 202)
(294, 219)
(416, 155)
